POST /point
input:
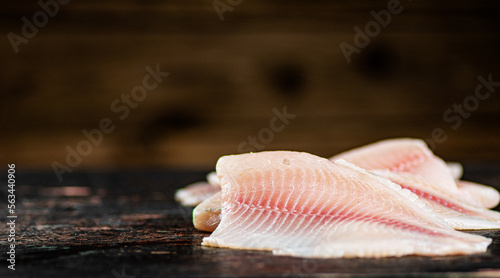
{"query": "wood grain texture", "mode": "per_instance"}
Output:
(226, 77)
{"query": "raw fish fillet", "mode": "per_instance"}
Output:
(458, 213)
(474, 193)
(479, 194)
(461, 194)
(423, 172)
(206, 216)
(456, 169)
(195, 193)
(302, 205)
(402, 155)
(213, 179)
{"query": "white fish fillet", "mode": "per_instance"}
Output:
(411, 156)
(213, 179)
(430, 175)
(302, 205)
(206, 216)
(458, 213)
(478, 194)
(456, 169)
(474, 193)
(402, 155)
(193, 194)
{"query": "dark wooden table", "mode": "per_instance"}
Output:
(126, 224)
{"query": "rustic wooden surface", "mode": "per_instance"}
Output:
(126, 224)
(226, 77)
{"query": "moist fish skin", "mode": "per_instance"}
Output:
(302, 205)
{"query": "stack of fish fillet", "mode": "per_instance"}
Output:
(389, 198)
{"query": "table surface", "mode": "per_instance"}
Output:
(126, 224)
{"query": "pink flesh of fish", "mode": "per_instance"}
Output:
(432, 180)
(443, 201)
(458, 213)
(302, 205)
(402, 155)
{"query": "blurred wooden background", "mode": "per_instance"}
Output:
(227, 76)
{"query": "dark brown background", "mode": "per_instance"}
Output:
(227, 76)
